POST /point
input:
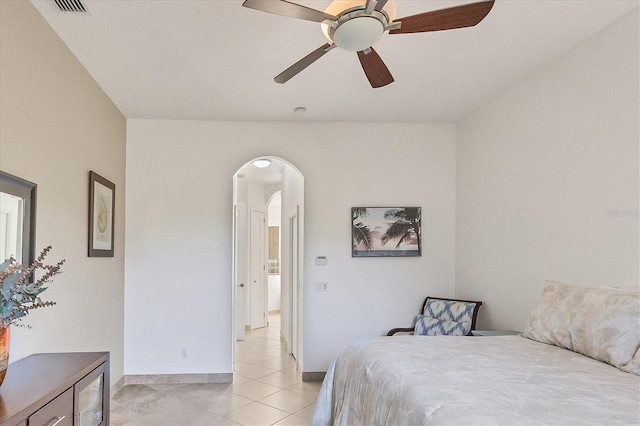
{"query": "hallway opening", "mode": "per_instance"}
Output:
(268, 233)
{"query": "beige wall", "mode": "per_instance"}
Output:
(179, 232)
(547, 180)
(56, 124)
(536, 170)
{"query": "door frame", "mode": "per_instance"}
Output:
(294, 281)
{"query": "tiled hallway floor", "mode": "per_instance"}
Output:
(266, 390)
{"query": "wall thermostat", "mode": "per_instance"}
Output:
(321, 260)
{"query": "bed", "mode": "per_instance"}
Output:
(577, 362)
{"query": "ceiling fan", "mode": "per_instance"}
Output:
(355, 25)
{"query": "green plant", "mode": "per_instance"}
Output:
(18, 294)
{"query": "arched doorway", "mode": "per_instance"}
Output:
(254, 188)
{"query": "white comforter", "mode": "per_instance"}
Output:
(417, 380)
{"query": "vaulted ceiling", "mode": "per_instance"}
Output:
(215, 60)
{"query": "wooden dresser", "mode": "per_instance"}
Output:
(61, 389)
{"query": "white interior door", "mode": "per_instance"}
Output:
(258, 270)
(295, 282)
(240, 268)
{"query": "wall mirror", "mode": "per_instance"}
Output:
(17, 218)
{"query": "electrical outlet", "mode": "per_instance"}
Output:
(322, 286)
(183, 353)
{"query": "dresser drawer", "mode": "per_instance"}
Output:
(58, 412)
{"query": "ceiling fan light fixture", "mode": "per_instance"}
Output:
(261, 163)
(358, 34)
(356, 30)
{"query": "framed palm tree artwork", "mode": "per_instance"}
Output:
(386, 231)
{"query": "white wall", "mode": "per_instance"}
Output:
(56, 124)
(540, 170)
(178, 266)
(275, 208)
(274, 292)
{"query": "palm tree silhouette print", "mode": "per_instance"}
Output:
(362, 239)
(405, 226)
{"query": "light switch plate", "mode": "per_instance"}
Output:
(322, 286)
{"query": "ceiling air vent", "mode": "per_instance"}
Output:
(71, 6)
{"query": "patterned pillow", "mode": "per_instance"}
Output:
(428, 326)
(601, 323)
(450, 310)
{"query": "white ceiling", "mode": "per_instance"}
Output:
(215, 60)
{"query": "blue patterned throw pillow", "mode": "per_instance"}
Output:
(450, 311)
(428, 326)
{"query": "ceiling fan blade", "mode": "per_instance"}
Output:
(380, 5)
(294, 69)
(286, 8)
(374, 68)
(376, 5)
(463, 16)
(370, 6)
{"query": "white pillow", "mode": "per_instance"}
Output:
(601, 323)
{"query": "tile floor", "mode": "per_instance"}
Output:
(266, 390)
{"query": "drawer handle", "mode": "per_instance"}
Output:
(55, 421)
